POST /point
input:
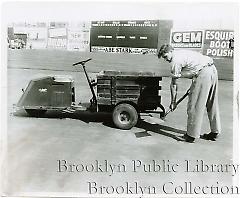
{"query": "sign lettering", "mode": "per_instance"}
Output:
(124, 50)
(189, 39)
(217, 43)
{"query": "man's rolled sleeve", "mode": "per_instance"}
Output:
(176, 71)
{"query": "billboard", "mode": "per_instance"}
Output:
(127, 36)
(187, 39)
(57, 32)
(36, 35)
(57, 38)
(217, 43)
(78, 39)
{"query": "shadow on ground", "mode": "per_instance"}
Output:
(159, 129)
(106, 119)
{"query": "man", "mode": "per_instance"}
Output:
(203, 90)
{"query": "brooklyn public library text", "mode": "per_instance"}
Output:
(153, 166)
(170, 187)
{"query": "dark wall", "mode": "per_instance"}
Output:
(164, 32)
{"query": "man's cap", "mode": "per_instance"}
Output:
(165, 48)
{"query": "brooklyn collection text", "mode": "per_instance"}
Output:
(142, 169)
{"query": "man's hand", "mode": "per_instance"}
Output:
(173, 105)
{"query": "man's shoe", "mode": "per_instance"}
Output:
(210, 136)
(187, 138)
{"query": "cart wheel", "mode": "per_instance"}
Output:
(125, 116)
(36, 112)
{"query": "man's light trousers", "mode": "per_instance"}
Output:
(203, 93)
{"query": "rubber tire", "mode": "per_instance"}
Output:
(122, 111)
(35, 112)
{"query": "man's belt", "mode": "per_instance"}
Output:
(198, 72)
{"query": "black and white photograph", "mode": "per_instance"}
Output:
(119, 99)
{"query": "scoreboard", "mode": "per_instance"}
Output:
(130, 36)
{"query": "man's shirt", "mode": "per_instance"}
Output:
(186, 61)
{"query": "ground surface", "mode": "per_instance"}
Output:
(34, 145)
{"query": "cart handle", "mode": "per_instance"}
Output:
(177, 103)
(82, 62)
(94, 99)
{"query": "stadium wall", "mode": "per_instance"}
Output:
(115, 38)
